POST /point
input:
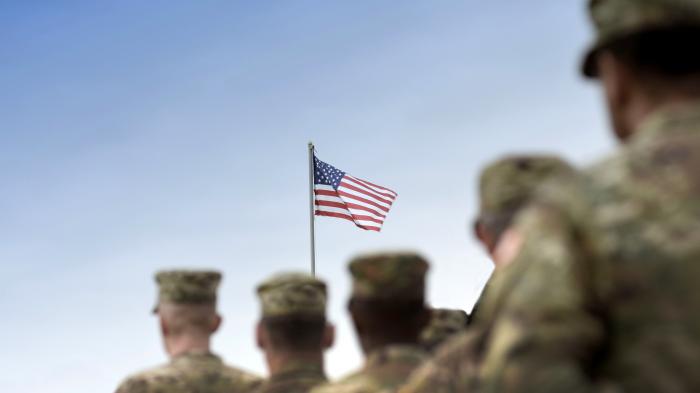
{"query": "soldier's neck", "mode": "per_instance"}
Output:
(183, 344)
(373, 344)
(283, 362)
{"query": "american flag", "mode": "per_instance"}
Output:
(337, 194)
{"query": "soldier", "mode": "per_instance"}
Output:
(388, 309)
(444, 323)
(293, 332)
(607, 295)
(505, 188)
(187, 311)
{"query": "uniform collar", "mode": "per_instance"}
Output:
(196, 356)
(400, 353)
(676, 118)
(295, 369)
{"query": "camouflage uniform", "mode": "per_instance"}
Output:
(603, 294)
(610, 259)
(193, 371)
(385, 277)
(444, 323)
(383, 371)
(301, 378)
(505, 187)
(293, 294)
(609, 274)
(189, 373)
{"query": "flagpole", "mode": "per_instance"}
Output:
(312, 208)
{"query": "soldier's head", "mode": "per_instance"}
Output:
(187, 308)
(444, 323)
(645, 56)
(293, 317)
(388, 299)
(506, 186)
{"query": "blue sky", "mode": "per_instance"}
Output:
(146, 135)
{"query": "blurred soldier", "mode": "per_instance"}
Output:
(505, 188)
(293, 332)
(608, 297)
(444, 323)
(187, 312)
(389, 313)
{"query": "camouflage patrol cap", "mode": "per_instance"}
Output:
(616, 19)
(389, 276)
(509, 182)
(443, 324)
(187, 286)
(292, 294)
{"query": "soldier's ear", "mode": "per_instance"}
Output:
(260, 335)
(621, 88)
(218, 319)
(484, 236)
(164, 328)
(424, 317)
(328, 336)
(356, 318)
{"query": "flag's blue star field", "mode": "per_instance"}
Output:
(327, 174)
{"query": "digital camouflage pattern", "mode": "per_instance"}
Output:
(384, 371)
(187, 286)
(389, 276)
(455, 364)
(506, 184)
(616, 273)
(603, 295)
(443, 324)
(505, 187)
(190, 373)
(615, 19)
(292, 294)
(298, 378)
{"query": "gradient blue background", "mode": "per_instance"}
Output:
(139, 135)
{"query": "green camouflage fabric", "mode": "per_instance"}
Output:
(389, 276)
(615, 19)
(505, 187)
(444, 323)
(292, 294)
(506, 184)
(187, 286)
(475, 313)
(603, 294)
(297, 378)
(455, 364)
(190, 373)
(384, 371)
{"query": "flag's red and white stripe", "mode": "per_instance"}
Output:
(364, 203)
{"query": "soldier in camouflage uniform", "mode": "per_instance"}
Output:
(187, 311)
(505, 188)
(604, 293)
(293, 332)
(389, 312)
(444, 323)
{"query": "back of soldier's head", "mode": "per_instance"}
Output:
(507, 185)
(187, 300)
(293, 312)
(388, 297)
